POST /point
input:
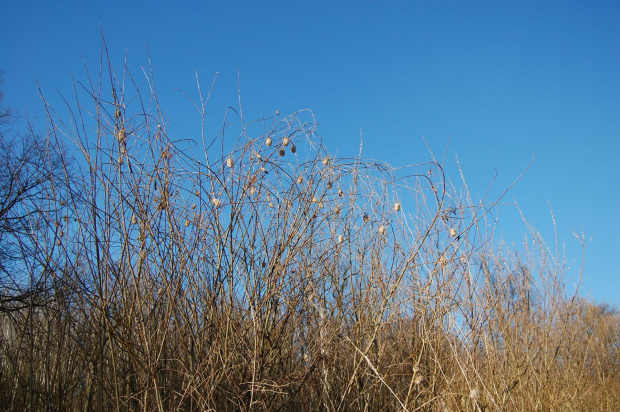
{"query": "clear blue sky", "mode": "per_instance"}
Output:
(501, 81)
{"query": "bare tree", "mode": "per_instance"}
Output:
(32, 170)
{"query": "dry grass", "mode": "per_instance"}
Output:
(221, 275)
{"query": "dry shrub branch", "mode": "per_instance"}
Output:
(256, 271)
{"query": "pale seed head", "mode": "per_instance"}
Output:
(397, 206)
(229, 162)
(381, 230)
(286, 141)
(268, 141)
(452, 232)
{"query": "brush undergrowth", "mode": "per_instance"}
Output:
(259, 272)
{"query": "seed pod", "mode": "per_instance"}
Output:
(340, 192)
(197, 192)
(300, 179)
(340, 238)
(337, 209)
(329, 185)
(61, 233)
(286, 141)
(282, 152)
(452, 232)
(117, 114)
(268, 141)
(381, 230)
(397, 206)
(293, 148)
(229, 162)
(216, 202)
(326, 160)
(315, 199)
(366, 217)
(186, 222)
(134, 219)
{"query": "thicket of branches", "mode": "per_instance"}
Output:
(254, 270)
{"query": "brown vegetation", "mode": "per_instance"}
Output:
(237, 275)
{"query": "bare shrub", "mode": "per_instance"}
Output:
(261, 272)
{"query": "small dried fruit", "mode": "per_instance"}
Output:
(326, 160)
(381, 230)
(397, 206)
(286, 141)
(300, 179)
(282, 152)
(340, 238)
(329, 185)
(268, 141)
(186, 222)
(229, 162)
(293, 148)
(452, 232)
(216, 202)
(134, 219)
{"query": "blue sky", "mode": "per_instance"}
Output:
(499, 82)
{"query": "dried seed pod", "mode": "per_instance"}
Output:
(337, 209)
(58, 242)
(186, 222)
(293, 148)
(282, 152)
(315, 199)
(271, 205)
(286, 141)
(340, 238)
(381, 230)
(120, 135)
(216, 202)
(134, 219)
(397, 206)
(366, 217)
(326, 160)
(329, 185)
(300, 179)
(229, 162)
(193, 206)
(117, 113)
(197, 192)
(268, 141)
(452, 232)
(61, 233)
